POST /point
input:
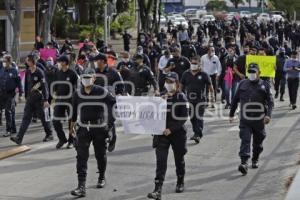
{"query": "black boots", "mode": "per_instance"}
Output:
(255, 164)
(101, 182)
(180, 184)
(79, 191)
(156, 194)
(243, 168)
(16, 140)
(60, 144)
(196, 138)
(48, 138)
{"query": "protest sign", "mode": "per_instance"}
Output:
(142, 115)
(46, 53)
(267, 64)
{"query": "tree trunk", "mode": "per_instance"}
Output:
(144, 11)
(83, 7)
(49, 15)
(15, 20)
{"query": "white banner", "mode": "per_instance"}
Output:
(142, 115)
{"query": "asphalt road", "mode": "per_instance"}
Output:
(211, 167)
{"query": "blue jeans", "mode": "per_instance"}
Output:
(230, 91)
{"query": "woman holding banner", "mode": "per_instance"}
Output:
(174, 135)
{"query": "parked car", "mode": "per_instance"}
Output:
(163, 20)
(179, 20)
(190, 13)
(207, 18)
(246, 14)
(263, 17)
(277, 18)
(275, 12)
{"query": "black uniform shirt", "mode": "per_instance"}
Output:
(195, 85)
(177, 113)
(141, 77)
(62, 89)
(109, 79)
(36, 84)
(250, 93)
(84, 105)
(181, 65)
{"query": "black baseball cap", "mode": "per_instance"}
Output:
(63, 58)
(173, 76)
(253, 67)
(100, 56)
(88, 73)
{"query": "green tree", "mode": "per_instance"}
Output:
(288, 6)
(237, 2)
(216, 5)
(144, 13)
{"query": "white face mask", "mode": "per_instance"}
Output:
(96, 64)
(170, 87)
(59, 66)
(126, 60)
(5, 64)
(194, 67)
(252, 76)
(213, 54)
(87, 82)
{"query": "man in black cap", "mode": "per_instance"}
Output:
(256, 108)
(94, 104)
(110, 79)
(174, 135)
(194, 83)
(178, 63)
(141, 76)
(63, 87)
(37, 101)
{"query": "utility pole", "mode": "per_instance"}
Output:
(262, 5)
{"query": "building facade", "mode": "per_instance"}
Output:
(27, 29)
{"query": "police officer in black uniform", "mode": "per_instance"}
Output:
(178, 63)
(256, 108)
(112, 81)
(141, 76)
(93, 126)
(194, 83)
(124, 67)
(174, 135)
(9, 81)
(37, 101)
(63, 87)
(280, 76)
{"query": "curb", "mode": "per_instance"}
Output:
(294, 192)
(14, 151)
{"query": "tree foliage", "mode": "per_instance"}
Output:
(237, 2)
(289, 6)
(216, 5)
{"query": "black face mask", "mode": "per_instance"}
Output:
(246, 52)
(281, 54)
